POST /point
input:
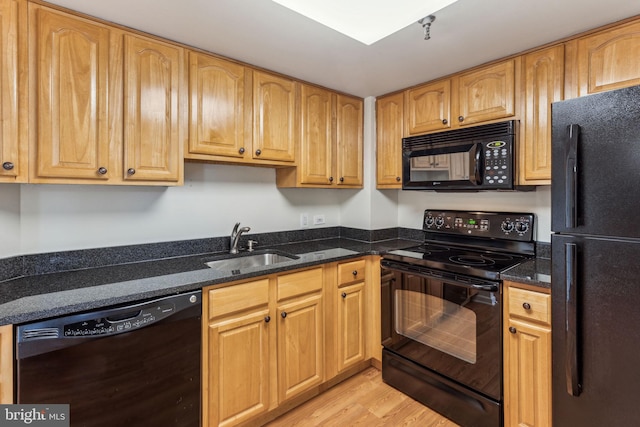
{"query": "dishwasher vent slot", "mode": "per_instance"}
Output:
(39, 333)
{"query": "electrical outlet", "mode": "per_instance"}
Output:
(304, 220)
(318, 219)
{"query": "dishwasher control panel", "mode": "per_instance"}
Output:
(121, 323)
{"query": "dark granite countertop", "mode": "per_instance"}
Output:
(535, 272)
(37, 297)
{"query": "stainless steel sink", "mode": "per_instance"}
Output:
(248, 261)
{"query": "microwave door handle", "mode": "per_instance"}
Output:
(476, 170)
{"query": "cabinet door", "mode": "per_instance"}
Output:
(527, 375)
(274, 117)
(152, 92)
(350, 325)
(389, 123)
(487, 93)
(428, 108)
(609, 60)
(300, 349)
(70, 63)
(544, 84)
(6, 364)
(349, 142)
(238, 379)
(316, 157)
(13, 150)
(216, 107)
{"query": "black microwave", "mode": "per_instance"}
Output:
(476, 158)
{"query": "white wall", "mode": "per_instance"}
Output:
(214, 197)
(412, 204)
(9, 220)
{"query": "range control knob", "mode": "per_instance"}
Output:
(507, 226)
(522, 227)
(428, 221)
(439, 221)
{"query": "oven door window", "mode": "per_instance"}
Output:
(431, 166)
(437, 322)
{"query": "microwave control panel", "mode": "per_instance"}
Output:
(502, 225)
(498, 164)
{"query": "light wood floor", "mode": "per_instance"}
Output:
(362, 400)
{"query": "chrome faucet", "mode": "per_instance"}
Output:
(235, 236)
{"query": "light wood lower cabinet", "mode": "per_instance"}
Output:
(351, 300)
(527, 357)
(262, 345)
(6, 364)
(237, 353)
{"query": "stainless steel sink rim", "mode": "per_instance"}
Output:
(244, 261)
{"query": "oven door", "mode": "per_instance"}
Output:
(451, 326)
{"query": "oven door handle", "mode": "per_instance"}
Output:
(489, 287)
(457, 281)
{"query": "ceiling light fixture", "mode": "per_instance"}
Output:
(367, 20)
(426, 25)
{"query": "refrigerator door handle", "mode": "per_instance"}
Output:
(571, 177)
(572, 362)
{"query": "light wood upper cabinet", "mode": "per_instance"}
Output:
(428, 108)
(6, 364)
(218, 108)
(543, 84)
(70, 77)
(527, 358)
(316, 129)
(274, 117)
(349, 142)
(109, 107)
(331, 142)
(13, 92)
(389, 125)
(154, 100)
(488, 93)
(604, 61)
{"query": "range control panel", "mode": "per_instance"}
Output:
(501, 225)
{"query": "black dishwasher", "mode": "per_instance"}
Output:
(133, 365)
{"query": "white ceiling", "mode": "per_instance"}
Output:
(263, 33)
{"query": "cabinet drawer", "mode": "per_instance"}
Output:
(530, 305)
(300, 283)
(236, 298)
(351, 271)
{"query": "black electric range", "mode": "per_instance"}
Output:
(441, 312)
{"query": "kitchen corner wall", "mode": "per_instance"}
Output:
(49, 218)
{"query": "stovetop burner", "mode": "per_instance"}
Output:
(471, 260)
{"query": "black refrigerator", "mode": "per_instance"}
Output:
(595, 217)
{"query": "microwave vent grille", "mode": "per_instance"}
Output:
(497, 130)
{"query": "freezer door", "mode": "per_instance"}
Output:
(596, 164)
(596, 331)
